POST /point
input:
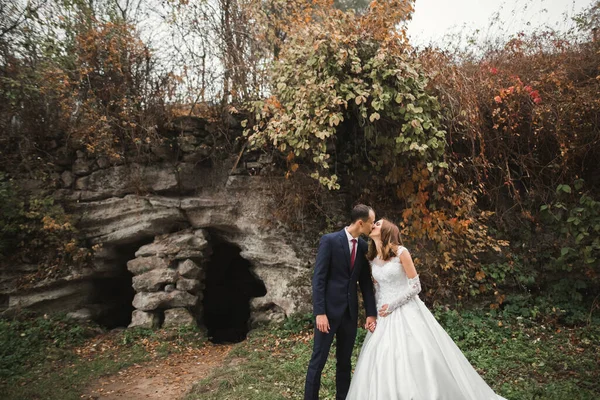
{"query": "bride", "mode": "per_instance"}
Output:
(409, 356)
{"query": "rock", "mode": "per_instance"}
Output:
(103, 162)
(253, 165)
(82, 183)
(267, 313)
(64, 157)
(164, 150)
(189, 285)
(126, 179)
(200, 153)
(118, 221)
(81, 167)
(83, 314)
(67, 178)
(151, 301)
(141, 265)
(90, 312)
(176, 317)
(265, 159)
(181, 245)
(188, 124)
(68, 297)
(189, 269)
(169, 288)
(144, 319)
(122, 217)
(154, 280)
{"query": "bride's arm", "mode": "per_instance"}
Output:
(414, 285)
(376, 289)
(407, 263)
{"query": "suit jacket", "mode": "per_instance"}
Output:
(335, 284)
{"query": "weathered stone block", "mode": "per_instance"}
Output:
(153, 281)
(176, 246)
(176, 317)
(189, 269)
(144, 319)
(189, 285)
(81, 167)
(169, 288)
(67, 178)
(140, 265)
(151, 301)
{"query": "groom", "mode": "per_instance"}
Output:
(341, 262)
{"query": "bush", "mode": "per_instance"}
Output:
(34, 229)
(350, 107)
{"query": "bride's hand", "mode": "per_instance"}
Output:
(383, 312)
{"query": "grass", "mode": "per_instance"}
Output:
(67, 378)
(519, 358)
(56, 358)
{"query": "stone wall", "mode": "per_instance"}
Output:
(127, 207)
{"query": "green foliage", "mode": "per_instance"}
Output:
(10, 212)
(519, 357)
(41, 352)
(575, 216)
(351, 89)
(134, 335)
(36, 229)
(298, 323)
(572, 262)
(29, 340)
(527, 359)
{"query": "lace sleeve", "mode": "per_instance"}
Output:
(376, 289)
(414, 285)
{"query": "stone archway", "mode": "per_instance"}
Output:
(194, 277)
(230, 285)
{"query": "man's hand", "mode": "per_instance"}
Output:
(323, 323)
(371, 324)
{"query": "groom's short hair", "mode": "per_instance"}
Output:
(360, 211)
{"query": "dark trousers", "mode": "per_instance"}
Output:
(345, 332)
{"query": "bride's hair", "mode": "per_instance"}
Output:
(390, 239)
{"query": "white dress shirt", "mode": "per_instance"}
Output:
(350, 237)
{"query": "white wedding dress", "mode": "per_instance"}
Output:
(410, 356)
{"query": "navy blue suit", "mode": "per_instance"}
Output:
(335, 294)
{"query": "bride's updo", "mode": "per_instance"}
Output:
(390, 240)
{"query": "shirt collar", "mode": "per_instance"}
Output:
(348, 235)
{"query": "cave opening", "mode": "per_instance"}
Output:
(230, 284)
(113, 294)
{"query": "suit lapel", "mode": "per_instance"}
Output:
(346, 247)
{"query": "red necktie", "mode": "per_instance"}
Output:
(353, 256)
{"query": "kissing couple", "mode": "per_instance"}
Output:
(406, 355)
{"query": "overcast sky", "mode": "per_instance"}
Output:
(433, 19)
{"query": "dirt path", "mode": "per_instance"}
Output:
(166, 378)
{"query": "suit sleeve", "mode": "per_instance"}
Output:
(319, 280)
(366, 287)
